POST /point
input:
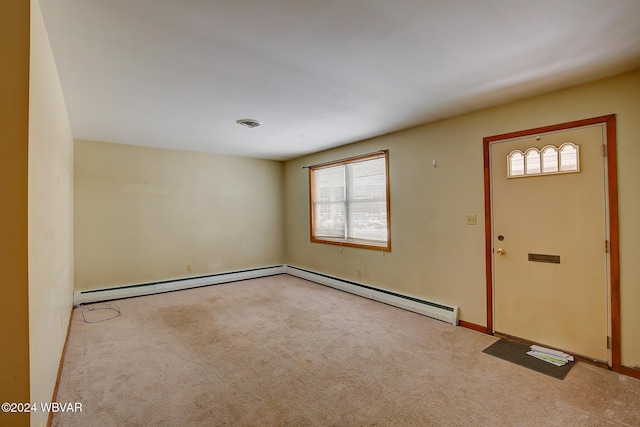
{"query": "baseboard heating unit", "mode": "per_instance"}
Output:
(94, 295)
(438, 311)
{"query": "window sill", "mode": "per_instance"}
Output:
(354, 243)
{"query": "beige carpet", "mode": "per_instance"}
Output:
(284, 351)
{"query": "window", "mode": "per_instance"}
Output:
(350, 202)
(550, 160)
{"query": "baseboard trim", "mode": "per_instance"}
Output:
(140, 289)
(438, 311)
(57, 384)
(472, 326)
(631, 372)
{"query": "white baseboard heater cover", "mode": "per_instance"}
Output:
(95, 295)
(438, 311)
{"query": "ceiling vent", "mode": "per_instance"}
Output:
(250, 123)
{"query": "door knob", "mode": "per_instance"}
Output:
(500, 251)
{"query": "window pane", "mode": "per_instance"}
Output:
(329, 184)
(329, 208)
(329, 220)
(516, 164)
(368, 220)
(367, 200)
(568, 158)
(533, 162)
(550, 160)
(367, 180)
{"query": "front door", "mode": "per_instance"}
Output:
(549, 231)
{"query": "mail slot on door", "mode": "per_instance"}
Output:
(552, 259)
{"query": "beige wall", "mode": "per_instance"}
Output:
(14, 144)
(435, 255)
(143, 214)
(50, 218)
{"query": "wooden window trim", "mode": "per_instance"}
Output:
(354, 243)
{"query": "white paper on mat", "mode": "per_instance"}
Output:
(541, 349)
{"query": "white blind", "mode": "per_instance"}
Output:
(350, 200)
(329, 201)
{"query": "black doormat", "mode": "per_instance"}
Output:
(517, 353)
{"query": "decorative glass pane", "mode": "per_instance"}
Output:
(532, 164)
(549, 159)
(516, 164)
(568, 157)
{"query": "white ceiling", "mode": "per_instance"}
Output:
(318, 73)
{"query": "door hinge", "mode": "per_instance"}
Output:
(606, 246)
(608, 342)
(604, 150)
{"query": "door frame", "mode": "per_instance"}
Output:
(609, 122)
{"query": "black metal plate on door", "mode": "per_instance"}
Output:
(552, 259)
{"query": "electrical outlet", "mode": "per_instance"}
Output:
(189, 267)
(472, 219)
(359, 272)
